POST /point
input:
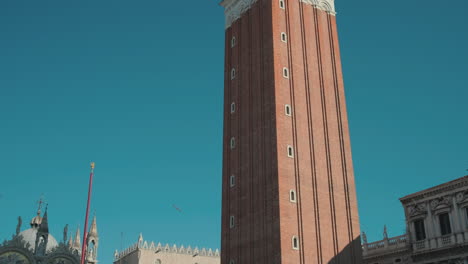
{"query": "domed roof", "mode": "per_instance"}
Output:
(29, 236)
(36, 221)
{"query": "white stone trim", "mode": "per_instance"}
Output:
(290, 150)
(232, 181)
(285, 72)
(233, 9)
(292, 196)
(325, 5)
(295, 243)
(233, 143)
(288, 110)
(233, 42)
(284, 37)
(282, 4)
(233, 73)
(232, 222)
(152, 247)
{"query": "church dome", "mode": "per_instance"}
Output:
(36, 221)
(29, 236)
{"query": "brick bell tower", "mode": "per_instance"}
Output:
(288, 185)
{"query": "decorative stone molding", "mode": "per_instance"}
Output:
(453, 186)
(233, 9)
(441, 202)
(144, 245)
(462, 197)
(16, 242)
(16, 246)
(417, 209)
(63, 249)
(325, 5)
(63, 256)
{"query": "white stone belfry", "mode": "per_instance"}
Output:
(92, 243)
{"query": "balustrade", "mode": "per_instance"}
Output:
(386, 244)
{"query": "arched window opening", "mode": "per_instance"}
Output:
(292, 196)
(281, 4)
(295, 243)
(232, 222)
(233, 143)
(288, 110)
(284, 38)
(290, 152)
(285, 72)
(232, 181)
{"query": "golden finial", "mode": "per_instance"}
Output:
(93, 165)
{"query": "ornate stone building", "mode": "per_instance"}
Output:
(437, 229)
(37, 246)
(143, 252)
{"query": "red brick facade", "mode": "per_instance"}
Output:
(257, 133)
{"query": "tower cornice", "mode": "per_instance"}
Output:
(325, 5)
(233, 9)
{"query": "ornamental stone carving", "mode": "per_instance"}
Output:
(233, 9)
(461, 197)
(457, 261)
(441, 202)
(325, 5)
(416, 209)
(151, 247)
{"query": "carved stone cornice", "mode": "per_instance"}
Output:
(325, 5)
(441, 202)
(443, 253)
(63, 249)
(152, 247)
(416, 210)
(462, 197)
(452, 186)
(233, 9)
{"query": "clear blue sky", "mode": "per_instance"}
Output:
(137, 87)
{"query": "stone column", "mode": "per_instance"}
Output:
(437, 231)
(431, 234)
(458, 228)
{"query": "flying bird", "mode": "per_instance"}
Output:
(177, 208)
